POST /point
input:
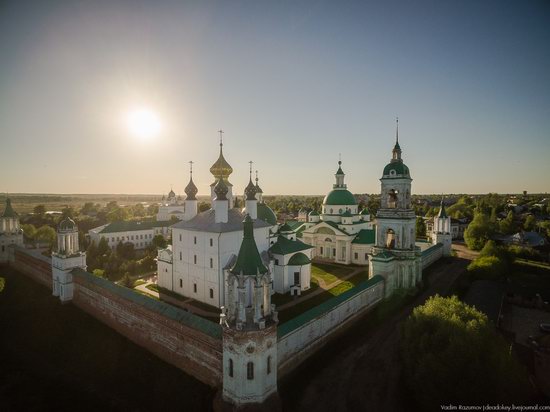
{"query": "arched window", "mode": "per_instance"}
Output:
(231, 368)
(331, 211)
(269, 364)
(250, 370)
(392, 199)
(390, 239)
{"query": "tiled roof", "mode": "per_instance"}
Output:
(365, 237)
(133, 225)
(284, 246)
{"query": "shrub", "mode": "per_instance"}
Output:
(487, 267)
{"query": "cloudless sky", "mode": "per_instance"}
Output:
(292, 84)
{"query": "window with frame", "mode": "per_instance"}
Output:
(269, 364)
(180, 237)
(356, 255)
(230, 368)
(250, 370)
(194, 287)
(195, 259)
(180, 256)
(195, 240)
(211, 242)
(211, 263)
(181, 283)
(211, 293)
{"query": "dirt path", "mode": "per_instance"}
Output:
(365, 374)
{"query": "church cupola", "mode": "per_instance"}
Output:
(339, 177)
(222, 170)
(396, 152)
(221, 204)
(251, 203)
(9, 219)
(191, 206)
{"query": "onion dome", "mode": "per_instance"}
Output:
(339, 171)
(266, 214)
(313, 213)
(191, 190)
(258, 188)
(250, 191)
(339, 197)
(221, 190)
(220, 166)
(347, 213)
(171, 194)
(67, 225)
(8, 211)
(249, 262)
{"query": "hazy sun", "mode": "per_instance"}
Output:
(143, 123)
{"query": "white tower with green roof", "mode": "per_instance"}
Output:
(10, 230)
(249, 323)
(395, 255)
(442, 230)
(65, 258)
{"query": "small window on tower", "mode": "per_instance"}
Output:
(211, 262)
(195, 287)
(195, 240)
(181, 283)
(250, 371)
(195, 259)
(230, 368)
(211, 293)
(269, 364)
(211, 242)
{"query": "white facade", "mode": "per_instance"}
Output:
(10, 231)
(442, 231)
(140, 234)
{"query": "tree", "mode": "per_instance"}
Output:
(204, 206)
(138, 210)
(127, 281)
(89, 208)
(478, 231)
(46, 234)
(159, 242)
(530, 223)
(420, 227)
(507, 226)
(125, 250)
(153, 209)
(103, 247)
(487, 268)
(117, 215)
(2, 284)
(68, 212)
(100, 273)
(29, 231)
(453, 355)
(39, 210)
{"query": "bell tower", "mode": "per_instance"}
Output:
(442, 230)
(395, 255)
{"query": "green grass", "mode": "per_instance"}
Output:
(139, 282)
(153, 286)
(279, 299)
(329, 273)
(300, 308)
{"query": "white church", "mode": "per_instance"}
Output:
(206, 245)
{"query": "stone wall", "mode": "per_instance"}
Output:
(431, 255)
(33, 264)
(178, 337)
(302, 336)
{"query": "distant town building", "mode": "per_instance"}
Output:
(139, 233)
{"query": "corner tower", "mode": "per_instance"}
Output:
(442, 230)
(66, 258)
(10, 230)
(395, 255)
(249, 325)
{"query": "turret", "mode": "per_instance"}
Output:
(66, 258)
(249, 327)
(191, 206)
(442, 230)
(259, 191)
(339, 175)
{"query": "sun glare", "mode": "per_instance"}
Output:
(143, 123)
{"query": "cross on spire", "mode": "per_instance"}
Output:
(256, 177)
(191, 167)
(221, 136)
(397, 130)
(251, 162)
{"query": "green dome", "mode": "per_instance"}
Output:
(266, 214)
(399, 168)
(339, 197)
(313, 213)
(299, 259)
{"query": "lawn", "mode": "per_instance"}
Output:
(299, 308)
(53, 346)
(329, 273)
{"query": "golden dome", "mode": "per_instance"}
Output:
(221, 167)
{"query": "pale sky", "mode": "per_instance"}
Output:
(292, 84)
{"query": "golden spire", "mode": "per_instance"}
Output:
(221, 167)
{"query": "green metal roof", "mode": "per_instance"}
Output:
(365, 237)
(294, 224)
(338, 197)
(249, 262)
(313, 213)
(285, 228)
(8, 211)
(324, 307)
(67, 224)
(179, 315)
(133, 225)
(284, 246)
(266, 214)
(442, 213)
(347, 213)
(399, 167)
(299, 259)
